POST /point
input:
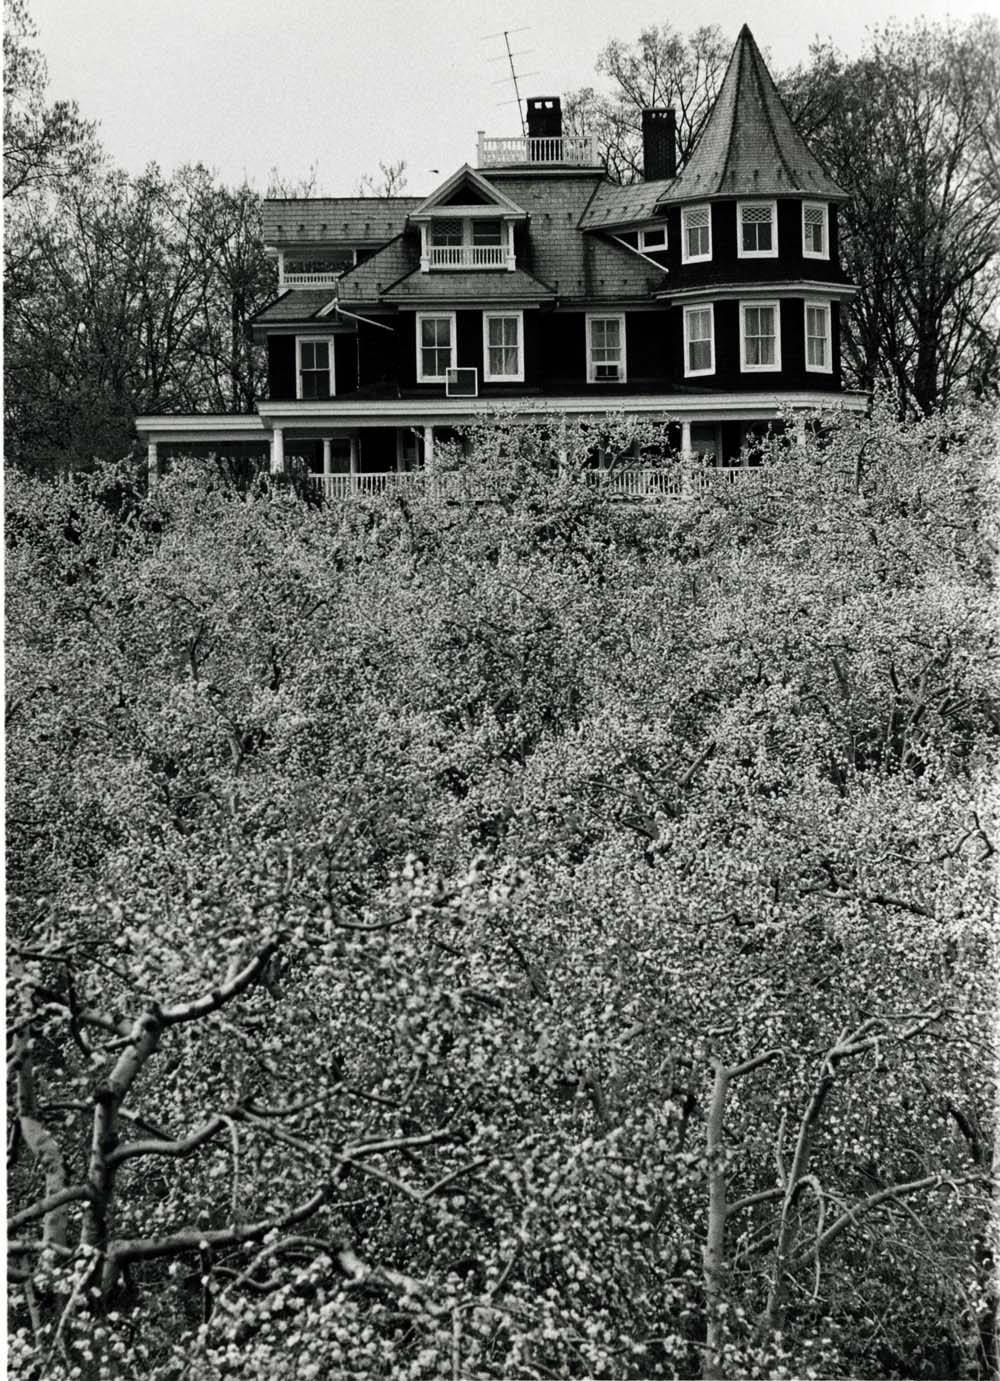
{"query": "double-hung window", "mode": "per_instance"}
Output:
(819, 354)
(815, 230)
(758, 230)
(436, 351)
(760, 336)
(503, 348)
(605, 349)
(314, 367)
(696, 234)
(699, 340)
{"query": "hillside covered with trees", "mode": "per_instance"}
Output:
(543, 936)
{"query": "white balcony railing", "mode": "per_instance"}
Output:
(468, 256)
(308, 280)
(650, 483)
(580, 149)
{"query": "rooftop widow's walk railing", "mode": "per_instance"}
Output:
(580, 149)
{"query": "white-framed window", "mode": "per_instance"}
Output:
(436, 346)
(487, 232)
(696, 234)
(314, 376)
(815, 230)
(445, 233)
(699, 340)
(760, 336)
(757, 231)
(819, 345)
(503, 347)
(653, 237)
(605, 349)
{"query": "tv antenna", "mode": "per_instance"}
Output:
(509, 57)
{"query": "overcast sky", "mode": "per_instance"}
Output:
(246, 85)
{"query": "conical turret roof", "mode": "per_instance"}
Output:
(749, 146)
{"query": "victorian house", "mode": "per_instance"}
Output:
(708, 299)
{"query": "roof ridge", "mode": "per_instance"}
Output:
(738, 52)
(758, 77)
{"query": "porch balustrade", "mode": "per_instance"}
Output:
(646, 483)
(468, 256)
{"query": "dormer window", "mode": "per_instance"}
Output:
(469, 242)
(653, 237)
(815, 230)
(758, 230)
(696, 234)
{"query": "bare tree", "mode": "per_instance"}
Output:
(390, 182)
(910, 129)
(44, 145)
(661, 68)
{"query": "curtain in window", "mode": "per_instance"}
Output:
(759, 335)
(504, 345)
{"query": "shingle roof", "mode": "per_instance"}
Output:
(295, 304)
(749, 146)
(449, 286)
(586, 268)
(368, 281)
(327, 220)
(614, 205)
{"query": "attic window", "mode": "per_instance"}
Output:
(446, 233)
(653, 237)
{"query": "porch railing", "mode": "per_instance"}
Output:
(308, 280)
(580, 149)
(647, 483)
(468, 256)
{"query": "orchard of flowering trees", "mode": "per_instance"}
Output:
(527, 937)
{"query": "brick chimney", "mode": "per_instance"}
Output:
(544, 117)
(659, 143)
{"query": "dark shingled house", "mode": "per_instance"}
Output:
(707, 298)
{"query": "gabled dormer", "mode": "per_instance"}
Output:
(467, 223)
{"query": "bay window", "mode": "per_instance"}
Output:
(605, 349)
(815, 230)
(758, 230)
(760, 336)
(819, 354)
(696, 234)
(699, 340)
(436, 346)
(503, 347)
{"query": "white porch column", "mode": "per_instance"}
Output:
(400, 451)
(327, 456)
(278, 451)
(425, 248)
(686, 458)
(511, 261)
(428, 448)
(152, 464)
(800, 431)
(355, 459)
